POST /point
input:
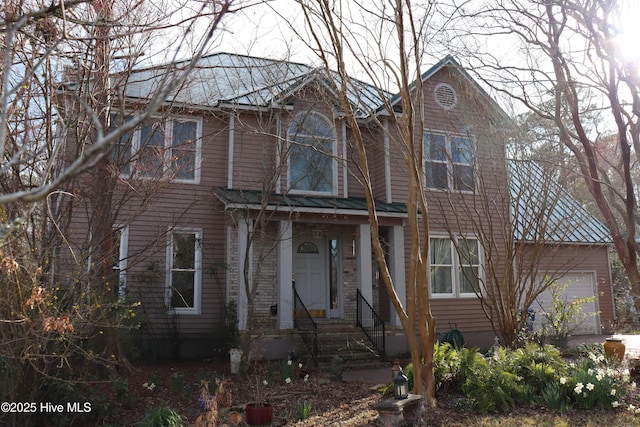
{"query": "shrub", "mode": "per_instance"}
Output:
(163, 417)
(491, 389)
(446, 365)
(536, 365)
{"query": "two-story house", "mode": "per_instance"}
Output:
(247, 177)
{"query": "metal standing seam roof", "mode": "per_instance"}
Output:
(225, 78)
(253, 199)
(544, 210)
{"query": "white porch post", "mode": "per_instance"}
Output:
(397, 269)
(285, 275)
(365, 276)
(243, 233)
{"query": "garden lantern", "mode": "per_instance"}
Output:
(400, 386)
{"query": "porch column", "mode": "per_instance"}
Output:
(243, 233)
(397, 269)
(365, 276)
(285, 275)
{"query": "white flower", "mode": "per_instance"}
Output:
(289, 362)
(265, 382)
(563, 380)
(599, 376)
(578, 388)
(615, 404)
(631, 408)
(287, 380)
(299, 365)
(590, 371)
(306, 377)
(590, 386)
(613, 392)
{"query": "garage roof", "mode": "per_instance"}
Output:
(544, 210)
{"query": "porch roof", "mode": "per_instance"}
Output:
(254, 199)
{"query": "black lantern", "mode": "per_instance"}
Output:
(400, 386)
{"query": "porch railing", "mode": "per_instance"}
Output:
(306, 326)
(371, 323)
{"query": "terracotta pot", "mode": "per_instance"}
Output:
(614, 348)
(258, 413)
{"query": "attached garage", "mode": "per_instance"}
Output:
(578, 285)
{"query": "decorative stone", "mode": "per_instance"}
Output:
(399, 412)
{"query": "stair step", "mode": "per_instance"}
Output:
(346, 341)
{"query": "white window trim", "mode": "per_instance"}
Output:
(455, 286)
(334, 161)
(122, 264)
(135, 149)
(449, 162)
(197, 278)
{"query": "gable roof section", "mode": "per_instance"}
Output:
(450, 61)
(225, 79)
(253, 200)
(544, 211)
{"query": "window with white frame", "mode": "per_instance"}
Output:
(120, 249)
(454, 266)
(449, 162)
(184, 266)
(161, 148)
(312, 165)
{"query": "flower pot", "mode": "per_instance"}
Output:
(234, 357)
(614, 348)
(259, 414)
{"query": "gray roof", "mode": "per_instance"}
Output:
(252, 199)
(225, 79)
(543, 210)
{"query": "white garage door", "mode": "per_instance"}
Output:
(579, 285)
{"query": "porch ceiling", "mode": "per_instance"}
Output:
(254, 199)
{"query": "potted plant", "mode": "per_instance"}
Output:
(259, 413)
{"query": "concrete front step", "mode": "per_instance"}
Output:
(346, 341)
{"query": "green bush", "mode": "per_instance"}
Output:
(537, 366)
(491, 389)
(163, 417)
(446, 366)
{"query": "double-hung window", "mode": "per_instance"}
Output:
(455, 267)
(184, 271)
(162, 148)
(449, 162)
(312, 164)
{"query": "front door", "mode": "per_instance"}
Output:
(310, 272)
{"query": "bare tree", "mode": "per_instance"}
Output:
(63, 73)
(569, 69)
(337, 36)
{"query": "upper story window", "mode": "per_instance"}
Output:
(312, 165)
(455, 267)
(167, 149)
(449, 162)
(184, 271)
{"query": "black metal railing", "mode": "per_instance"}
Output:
(371, 323)
(306, 326)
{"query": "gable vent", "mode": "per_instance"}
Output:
(445, 96)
